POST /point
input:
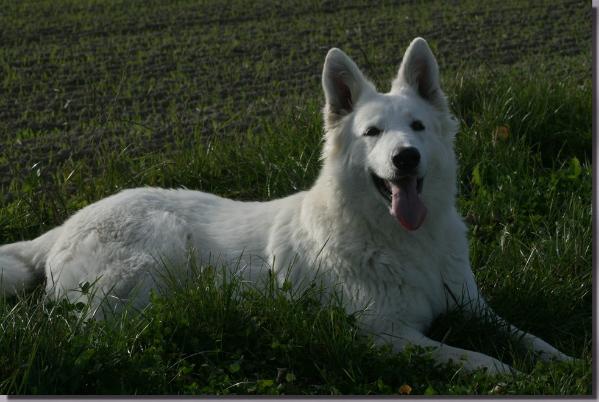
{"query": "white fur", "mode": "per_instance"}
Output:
(341, 226)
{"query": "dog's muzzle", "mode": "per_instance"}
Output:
(402, 194)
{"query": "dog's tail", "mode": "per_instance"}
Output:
(22, 264)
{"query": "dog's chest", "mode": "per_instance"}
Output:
(407, 285)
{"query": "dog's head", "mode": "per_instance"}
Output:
(398, 146)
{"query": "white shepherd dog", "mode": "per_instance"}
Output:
(380, 222)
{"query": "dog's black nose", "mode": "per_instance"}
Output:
(406, 159)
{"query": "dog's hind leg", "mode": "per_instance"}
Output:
(22, 264)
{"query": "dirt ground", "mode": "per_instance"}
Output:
(79, 76)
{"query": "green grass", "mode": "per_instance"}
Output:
(143, 97)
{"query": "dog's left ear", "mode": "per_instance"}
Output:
(420, 71)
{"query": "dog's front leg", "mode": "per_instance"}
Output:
(542, 349)
(539, 347)
(475, 304)
(443, 353)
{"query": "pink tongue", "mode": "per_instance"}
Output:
(406, 206)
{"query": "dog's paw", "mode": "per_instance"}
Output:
(570, 359)
(557, 356)
(500, 368)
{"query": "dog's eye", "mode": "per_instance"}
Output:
(372, 131)
(417, 125)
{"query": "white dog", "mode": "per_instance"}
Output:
(379, 223)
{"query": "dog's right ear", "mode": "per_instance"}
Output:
(343, 85)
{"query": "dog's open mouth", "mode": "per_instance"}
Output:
(403, 195)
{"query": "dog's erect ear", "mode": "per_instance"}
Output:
(420, 71)
(343, 84)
